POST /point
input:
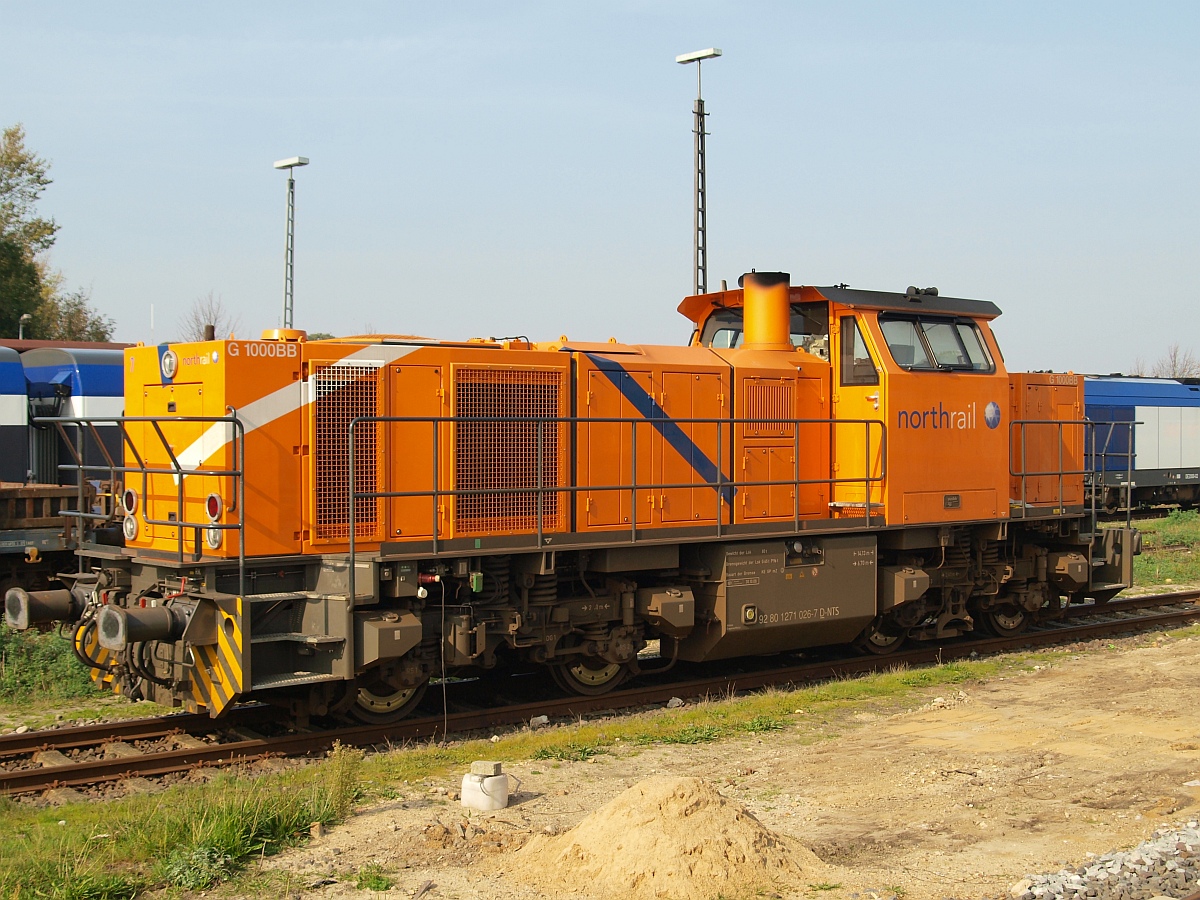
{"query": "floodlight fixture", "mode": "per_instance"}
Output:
(697, 55)
(293, 162)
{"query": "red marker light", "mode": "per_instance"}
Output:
(212, 506)
(129, 501)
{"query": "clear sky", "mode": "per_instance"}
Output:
(525, 168)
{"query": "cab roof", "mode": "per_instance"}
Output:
(698, 307)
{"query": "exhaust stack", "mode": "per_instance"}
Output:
(766, 311)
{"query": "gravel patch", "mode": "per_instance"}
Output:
(1167, 865)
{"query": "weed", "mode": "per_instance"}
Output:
(759, 724)
(693, 734)
(824, 886)
(371, 878)
(569, 752)
(897, 891)
(342, 779)
(198, 868)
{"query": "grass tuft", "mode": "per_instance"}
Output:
(372, 878)
(569, 751)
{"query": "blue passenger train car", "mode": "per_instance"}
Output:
(1163, 464)
(79, 382)
(37, 379)
(14, 418)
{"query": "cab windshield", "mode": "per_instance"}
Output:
(935, 343)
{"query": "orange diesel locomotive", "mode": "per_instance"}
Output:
(327, 525)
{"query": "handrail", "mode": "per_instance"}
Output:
(1018, 431)
(723, 486)
(176, 470)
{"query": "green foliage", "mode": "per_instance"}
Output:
(186, 837)
(23, 178)
(371, 878)
(693, 734)
(43, 666)
(27, 284)
(342, 776)
(69, 317)
(759, 724)
(569, 751)
(20, 286)
(320, 336)
(1169, 550)
(199, 867)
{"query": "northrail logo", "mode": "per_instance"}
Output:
(939, 418)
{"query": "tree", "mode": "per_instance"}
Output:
(20, 287)
(1176, 362)
(28, 285)
(70, 317)
(23, 178)
(207, 310)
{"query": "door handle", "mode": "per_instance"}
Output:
(874, 398)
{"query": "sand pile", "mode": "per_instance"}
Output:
(667, 838)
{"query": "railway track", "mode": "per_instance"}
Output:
(146, 748)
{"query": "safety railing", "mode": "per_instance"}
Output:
(724, 487)
(87, 426)
(1019, 435)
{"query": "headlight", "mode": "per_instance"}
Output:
(129, 527)
(212, 537)
(170, 364)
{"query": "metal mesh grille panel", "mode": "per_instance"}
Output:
(342, 394)
(769, 400)
(503, 455)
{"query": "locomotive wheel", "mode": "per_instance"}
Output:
(589, 676)
(876, 639)
(381, 704)
(1005, 621)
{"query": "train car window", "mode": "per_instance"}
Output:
(809, 327)
(935, 343)
(857, 365)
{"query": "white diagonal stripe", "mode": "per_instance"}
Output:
(275, 405)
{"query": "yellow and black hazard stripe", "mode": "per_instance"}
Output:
(87, 643)
(217, 670)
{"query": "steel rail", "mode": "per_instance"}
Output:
(153, 764)
(75, 736)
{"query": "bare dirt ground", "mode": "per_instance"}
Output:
(959, 798)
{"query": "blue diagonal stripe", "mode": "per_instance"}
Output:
(649, 409)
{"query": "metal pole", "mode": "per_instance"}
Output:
(289, 251)
(700, 245)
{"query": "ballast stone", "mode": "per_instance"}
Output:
(1167, 865)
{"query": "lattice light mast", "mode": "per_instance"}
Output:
(289, 249)
(700, 247)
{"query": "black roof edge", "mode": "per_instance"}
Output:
(903, 303)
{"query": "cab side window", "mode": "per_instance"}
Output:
(856, 363)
